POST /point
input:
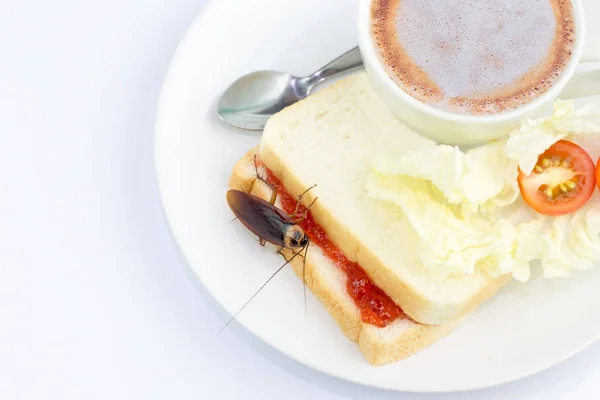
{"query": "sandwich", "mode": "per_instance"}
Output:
(361, 266)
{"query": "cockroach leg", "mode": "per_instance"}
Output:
(256, 168)
(280, 251)
(273, 196)
(305, 213)
(300, 219)
(311, 204)
(262, 242)
(259, 177)
(257, 292)
(300, 201)
(298, 254)
(273, 190)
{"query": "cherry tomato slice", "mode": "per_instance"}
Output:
(562, 181)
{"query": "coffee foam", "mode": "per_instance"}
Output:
(473, 56)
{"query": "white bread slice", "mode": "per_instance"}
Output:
(330, 139)
(380, 346)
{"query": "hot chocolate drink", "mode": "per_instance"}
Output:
(474, 56)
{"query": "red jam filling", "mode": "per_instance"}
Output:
(375, 306)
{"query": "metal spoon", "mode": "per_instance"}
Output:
(251, 100)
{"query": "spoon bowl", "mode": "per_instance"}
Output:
(252, 99)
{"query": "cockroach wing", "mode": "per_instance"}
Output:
(263, 219)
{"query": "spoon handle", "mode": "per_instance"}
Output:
(346, 62)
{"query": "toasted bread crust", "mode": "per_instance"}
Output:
(377, 345)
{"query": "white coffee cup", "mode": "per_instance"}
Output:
(451, 128)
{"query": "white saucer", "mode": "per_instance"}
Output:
(525, 329)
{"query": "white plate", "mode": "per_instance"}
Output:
(524, 329)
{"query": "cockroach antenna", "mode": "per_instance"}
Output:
(257, 292)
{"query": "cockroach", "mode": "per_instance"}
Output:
(267, 221)
(271, 225)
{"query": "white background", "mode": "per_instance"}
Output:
(95, 301)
